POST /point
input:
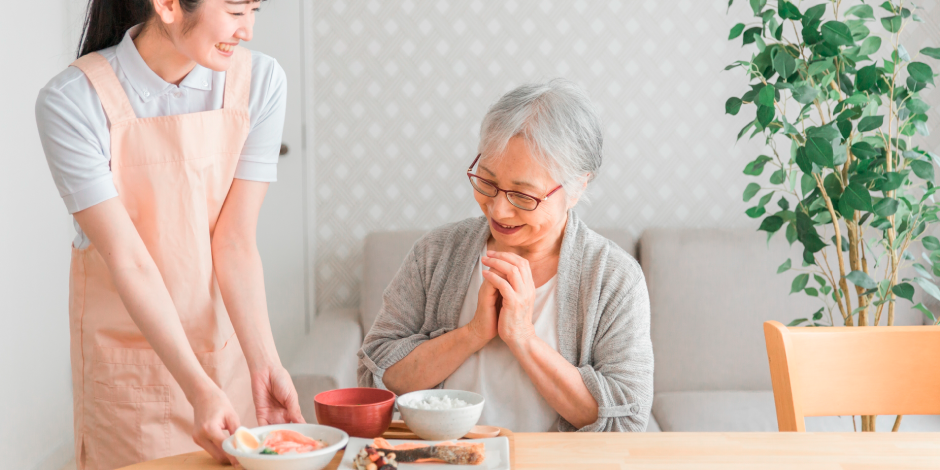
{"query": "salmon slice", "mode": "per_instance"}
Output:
(284, 441)
(472, 453)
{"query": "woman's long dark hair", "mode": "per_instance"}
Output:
(106, 21)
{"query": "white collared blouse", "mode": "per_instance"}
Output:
(75, 132)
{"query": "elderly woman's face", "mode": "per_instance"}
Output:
(516, 170)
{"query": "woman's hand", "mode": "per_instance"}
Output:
(275, 397)
(484, 325)
(213, 415)
(511, 276)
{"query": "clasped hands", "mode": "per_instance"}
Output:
(506, 300)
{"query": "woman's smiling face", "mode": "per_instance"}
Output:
(515, 169)
(208, 35)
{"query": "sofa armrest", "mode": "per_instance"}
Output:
(327, 358)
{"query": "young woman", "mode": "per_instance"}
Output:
(162, 138)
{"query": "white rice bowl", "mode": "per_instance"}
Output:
(435, 415)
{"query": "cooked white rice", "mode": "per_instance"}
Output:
(439, 403)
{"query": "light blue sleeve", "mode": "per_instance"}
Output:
(77, 154)
(267, 107)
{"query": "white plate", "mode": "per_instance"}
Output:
(497, 454)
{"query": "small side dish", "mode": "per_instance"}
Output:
(277, 442)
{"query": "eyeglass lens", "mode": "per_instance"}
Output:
(517, 199)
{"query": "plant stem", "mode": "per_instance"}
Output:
(847, 313)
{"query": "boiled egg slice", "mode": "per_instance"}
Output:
(246, 441)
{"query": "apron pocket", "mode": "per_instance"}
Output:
(132, 407)
(131, 423)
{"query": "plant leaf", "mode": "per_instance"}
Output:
(931, 52)
(788, 11)
(929, 287)
(917, 106)
(750, 191)
(771, 224)
(807, 184)
(756, 167)
(931, 243)
(750, 35)
(804, 94)
(904, 291)
(783, 267)
(733, 105)
(870, 45)
(836, 33)
(864, 150)
(892, 23)
(865, 78)
(861, 11)
(799, 282)
(886, 207)
(784, 64)
(819, 151)
(767, 96)
(858, 197)
(798, 321)
(859, 278)
(765, 114)
(927, 313)
(736, 31)
(923, 169)
(870, 123)
(755, 212)
(922, 270)
(920, 72)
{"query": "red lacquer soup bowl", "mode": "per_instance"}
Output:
(361, 412)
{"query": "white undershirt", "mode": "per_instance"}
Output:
(512, 401)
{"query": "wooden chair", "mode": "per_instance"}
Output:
(846, 371)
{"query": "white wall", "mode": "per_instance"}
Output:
(35, 232)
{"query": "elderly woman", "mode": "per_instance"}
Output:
(526, 305)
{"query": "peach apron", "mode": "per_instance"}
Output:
(172, 174)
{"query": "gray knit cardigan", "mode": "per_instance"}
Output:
(603, 315)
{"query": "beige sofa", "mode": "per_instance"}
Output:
(710, 292)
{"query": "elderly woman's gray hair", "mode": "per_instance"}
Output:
(559, 124)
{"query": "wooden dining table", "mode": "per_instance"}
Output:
(725, 451)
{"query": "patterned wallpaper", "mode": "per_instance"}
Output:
(400, 88)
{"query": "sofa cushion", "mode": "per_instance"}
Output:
(710, 292)
(723, 411)
(652, 425)
(382, 256)
(754, 411)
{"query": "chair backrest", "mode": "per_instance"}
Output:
(710, 292)
(845, 371)
(384, 252)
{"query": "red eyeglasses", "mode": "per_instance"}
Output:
(489, 189)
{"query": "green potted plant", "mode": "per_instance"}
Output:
(836, 96)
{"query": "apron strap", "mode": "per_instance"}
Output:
(238, 81)
(101, 75)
